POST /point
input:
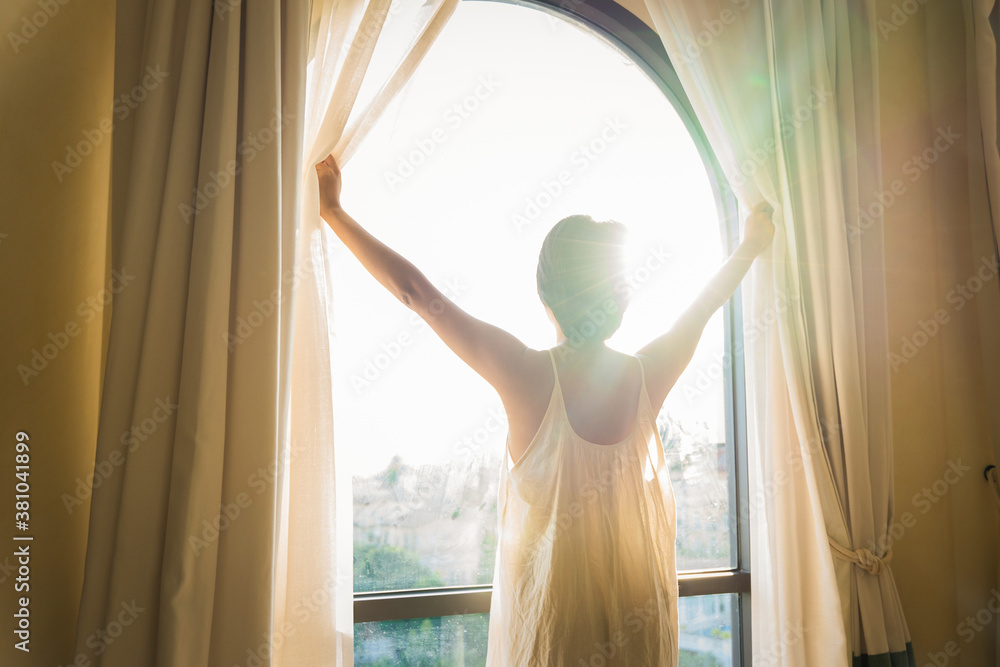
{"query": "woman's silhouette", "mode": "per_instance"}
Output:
(585, 569)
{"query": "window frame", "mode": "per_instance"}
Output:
(628, 33)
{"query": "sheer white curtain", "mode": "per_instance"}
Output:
(361, 54)
(786, 93)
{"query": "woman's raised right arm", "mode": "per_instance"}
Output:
(666, 357)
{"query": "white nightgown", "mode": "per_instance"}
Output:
(586, 572)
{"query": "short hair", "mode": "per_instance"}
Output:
(580, 271)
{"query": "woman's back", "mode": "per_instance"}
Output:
(600, 388)
(585, 570)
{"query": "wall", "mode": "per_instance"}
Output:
(937, 238)
(53, 237)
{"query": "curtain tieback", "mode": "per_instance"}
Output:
(863, 558)
(993, 478)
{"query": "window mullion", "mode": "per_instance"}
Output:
(458, 600)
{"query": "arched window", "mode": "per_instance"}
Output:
(520, 115)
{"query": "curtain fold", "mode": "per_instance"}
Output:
(221, 531)
(787, 96)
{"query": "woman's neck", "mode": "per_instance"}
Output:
(585, 351)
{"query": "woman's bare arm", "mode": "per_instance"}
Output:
(668, 356)
(499, 357)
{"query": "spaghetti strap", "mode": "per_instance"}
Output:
(642, 372)
(644, 394)
(555, 375)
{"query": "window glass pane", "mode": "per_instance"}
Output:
(484, 151)
(707, 631)
(420, 642)
(707, 637)
(701, 476)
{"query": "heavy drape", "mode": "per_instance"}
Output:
(787, 96)
(221, 533)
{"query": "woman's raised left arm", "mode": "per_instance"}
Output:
(496, 355)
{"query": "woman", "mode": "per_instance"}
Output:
(585, 570)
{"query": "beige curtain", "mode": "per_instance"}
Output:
(219, 533)
(787, 96)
